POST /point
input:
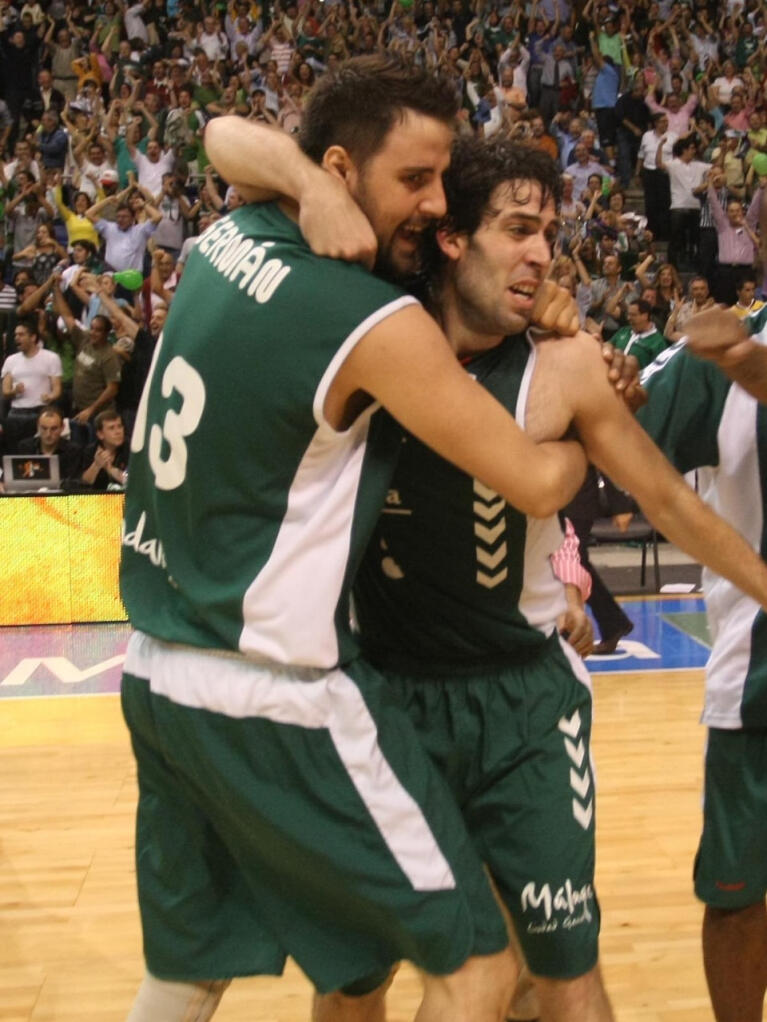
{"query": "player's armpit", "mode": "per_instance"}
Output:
(405, 362)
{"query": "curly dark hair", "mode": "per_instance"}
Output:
(477, 168)
(356, 105)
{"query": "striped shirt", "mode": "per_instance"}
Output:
(735, 243)
(566, 562)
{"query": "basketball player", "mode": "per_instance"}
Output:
(285, 803)
(456, 599)
(711, 416)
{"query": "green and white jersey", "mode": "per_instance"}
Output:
(246, 511)
(700, 419)
(454, 576)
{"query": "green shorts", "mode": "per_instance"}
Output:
(296, 814)
(731, 864)
(513, 745)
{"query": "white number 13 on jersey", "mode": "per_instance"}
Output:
(169, 472)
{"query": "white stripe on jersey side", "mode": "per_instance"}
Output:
(733, 489)
(663, 359)
(310, 699)
(542, 598)
(288, 610)
(338, 359)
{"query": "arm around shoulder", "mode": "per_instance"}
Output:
(406, 363)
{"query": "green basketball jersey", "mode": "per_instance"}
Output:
(246, 511)
(700, 419)
(454, 575)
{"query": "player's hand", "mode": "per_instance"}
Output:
(575, 625)
(555, 310)
(333, 224)
(623, 374)
(719, 336)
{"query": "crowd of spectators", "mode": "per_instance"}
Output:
(655, 111)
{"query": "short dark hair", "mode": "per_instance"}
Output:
(108, 415)
(745, 276)
(50, 410)
(29, 323)
(643, 305)
(105, 320)
(356, 105)
(681, 144)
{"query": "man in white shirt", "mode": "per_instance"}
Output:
(213, 41)
(688, 181)
(153, 165)
(31, 379)
(135, 26)
(657, 193)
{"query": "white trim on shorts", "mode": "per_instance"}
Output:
(238, 688)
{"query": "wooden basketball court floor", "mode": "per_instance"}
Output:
(69, 931)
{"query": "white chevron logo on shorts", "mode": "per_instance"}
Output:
(575, 752)
(583, 814)
(580, 784)
(491, 581)
(572, 725)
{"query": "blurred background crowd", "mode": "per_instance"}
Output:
(656, 113)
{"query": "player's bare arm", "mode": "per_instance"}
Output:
(618, 446)
(720, 337)
(264, 163)
(406, 364)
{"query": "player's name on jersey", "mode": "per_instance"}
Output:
(243, 261)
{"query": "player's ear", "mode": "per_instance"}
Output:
(452, 244)
(338, 161)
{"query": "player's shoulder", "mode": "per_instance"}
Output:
(582, 351)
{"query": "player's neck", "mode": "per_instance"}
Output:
(465, 338)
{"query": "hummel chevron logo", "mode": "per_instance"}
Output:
(572, 725)
(580, 784)
(484, 492)
(491, 581)
(583, 814)
(489, 511)
(488, 535)
(575, 752)
(488, 560)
